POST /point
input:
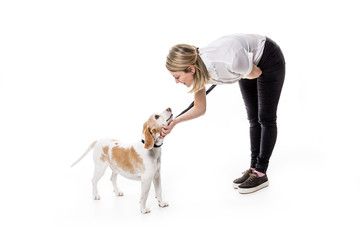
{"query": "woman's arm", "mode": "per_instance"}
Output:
(198, 110)
(255, 73)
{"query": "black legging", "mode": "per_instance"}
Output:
(261, 97)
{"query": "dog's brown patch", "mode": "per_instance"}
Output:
(105, 154)
(127, 159)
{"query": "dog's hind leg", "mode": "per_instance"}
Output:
(116, 189)
(99, 171)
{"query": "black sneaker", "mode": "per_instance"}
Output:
(246, 175)
(253, 183)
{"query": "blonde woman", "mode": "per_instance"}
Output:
(257, 64)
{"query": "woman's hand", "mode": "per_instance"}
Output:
(167, 129)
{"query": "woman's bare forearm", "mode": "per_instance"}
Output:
(255, 73)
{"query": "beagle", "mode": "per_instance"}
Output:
(140, 161)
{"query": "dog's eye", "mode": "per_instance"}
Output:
(156, 116)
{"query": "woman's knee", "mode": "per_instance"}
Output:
(267, 122)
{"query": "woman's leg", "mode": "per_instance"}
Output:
(269, 89)
(249, 93)
(269, 86)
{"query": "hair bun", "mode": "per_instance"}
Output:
(196, 50)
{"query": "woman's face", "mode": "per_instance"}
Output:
(183, 77)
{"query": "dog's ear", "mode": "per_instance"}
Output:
(149, 139)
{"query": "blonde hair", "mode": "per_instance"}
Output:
(181, 57)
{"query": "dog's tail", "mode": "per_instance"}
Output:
(87, 151)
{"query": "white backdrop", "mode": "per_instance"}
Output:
(74, 71)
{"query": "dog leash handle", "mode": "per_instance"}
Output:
(192, 104)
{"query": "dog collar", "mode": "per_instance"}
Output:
(155, 146)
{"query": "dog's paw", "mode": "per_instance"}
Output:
(96, 197)
(119, 193)
(145, 211)
(163, 204)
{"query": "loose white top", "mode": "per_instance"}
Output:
(230, 58)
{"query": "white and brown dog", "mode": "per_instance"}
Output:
(140, 161)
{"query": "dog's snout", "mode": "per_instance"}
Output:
(168, 109)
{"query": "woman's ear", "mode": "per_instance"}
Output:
(149, 140)
(191, 69)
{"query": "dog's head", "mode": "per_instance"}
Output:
(152, 127)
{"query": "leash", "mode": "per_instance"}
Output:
(192, 104)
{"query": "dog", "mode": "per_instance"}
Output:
(140, 161)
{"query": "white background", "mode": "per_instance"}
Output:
(75, 71)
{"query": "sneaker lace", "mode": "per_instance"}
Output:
(252, 177)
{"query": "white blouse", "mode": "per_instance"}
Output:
(230, 58)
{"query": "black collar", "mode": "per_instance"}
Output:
(155, 146)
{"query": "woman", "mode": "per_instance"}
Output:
(257, 64)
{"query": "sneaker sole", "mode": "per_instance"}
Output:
(254, 189)
(236, 185)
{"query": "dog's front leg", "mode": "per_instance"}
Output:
(145, 188)
(158, 190)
